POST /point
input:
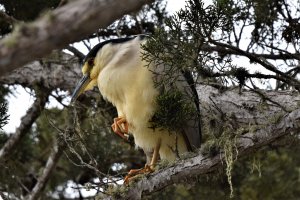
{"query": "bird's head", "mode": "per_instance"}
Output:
(96, 60)
(88, 81)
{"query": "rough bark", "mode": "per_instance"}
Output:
(247, 109)
(60, 27)
(59, 70)
(184, 170)
(258, 108)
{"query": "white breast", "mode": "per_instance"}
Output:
(128, 84)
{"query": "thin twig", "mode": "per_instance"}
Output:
(268, 99)
(47, 171)
(9, 19)
(264, 63)
(76, 52)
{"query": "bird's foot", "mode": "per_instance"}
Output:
(120, 127)
(134, 172)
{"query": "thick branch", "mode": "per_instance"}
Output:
(246, 108)
(199, 165)
(26, 122)
(57, 29)
(262, 121)
(59, 70)
(7, 18)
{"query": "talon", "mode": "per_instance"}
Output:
(149, 168)
(120, 127)
(134, 172)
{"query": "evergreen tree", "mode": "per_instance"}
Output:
(244, 112)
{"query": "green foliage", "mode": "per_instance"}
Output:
(279, 176)
(92, 144)
(266, 12)
(3, 114)
(178, 43)
(3, 107)
(178, 46)
(14, 175)
(172, 111)
(224, 142)
(240, 74)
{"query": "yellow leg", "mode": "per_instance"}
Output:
(148, 168)
(155, 155)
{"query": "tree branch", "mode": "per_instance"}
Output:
(183, 170)
(9, 19)
(59, 70)
(262, 121)
(57, 151)
(282, 56)
(49, 167)
(50, 31)
(26, 122)
(76, 52)
(265, 64)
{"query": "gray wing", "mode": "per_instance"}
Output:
(192, 130)
(183, 81)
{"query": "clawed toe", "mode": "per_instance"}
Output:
(134, 172)
(120, 127)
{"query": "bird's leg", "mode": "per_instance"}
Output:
(149, 168)
(155, 155)
(120, 127)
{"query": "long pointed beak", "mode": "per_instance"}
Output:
(84, 81)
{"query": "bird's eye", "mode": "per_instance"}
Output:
(91, 62)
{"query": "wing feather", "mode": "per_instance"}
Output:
(183, 82)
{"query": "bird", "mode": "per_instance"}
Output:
(125, 79)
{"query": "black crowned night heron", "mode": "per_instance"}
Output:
(127, 81)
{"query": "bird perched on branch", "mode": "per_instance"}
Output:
(132, 85)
